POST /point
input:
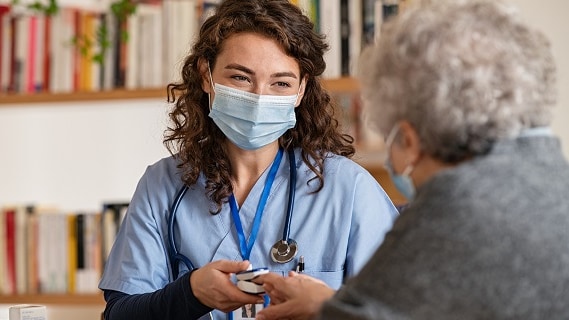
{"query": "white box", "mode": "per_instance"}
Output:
(28, 312)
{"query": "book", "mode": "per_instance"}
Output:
(150, 55)
(179, 32)
(112, 216)
(89, 266)
(27, 312)
(132, 53)
(10, 225)
(329, 15)
(4, 47)
(20, 249)
(207, 9)
(390, 9)
(61, 52)
(21, 59)
(72, 249)
(355, 36)
(368, 15)
(109, 24)
(120, 53)
(33, 50)
(345, 30)
(52, 251)
(86, 34)
(3, 255)
(32, 251)
(47, 54)
(76, 53)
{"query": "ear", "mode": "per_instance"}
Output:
(409, 142)
(301, 91)
(204, 70)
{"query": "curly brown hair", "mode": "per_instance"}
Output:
(195, 140)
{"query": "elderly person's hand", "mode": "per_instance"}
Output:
(297, 296)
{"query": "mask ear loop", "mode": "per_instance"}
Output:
(391, 136)
(389, 142)
(212, 86)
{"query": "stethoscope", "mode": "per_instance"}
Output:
(283, 251)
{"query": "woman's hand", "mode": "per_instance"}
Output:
(212, 285)
(296, 297)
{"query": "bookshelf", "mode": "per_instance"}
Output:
(370, 159)
(55, 299)
(42, 98)
(340, 85)
(30, 102)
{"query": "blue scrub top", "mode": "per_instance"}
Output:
(336, 229)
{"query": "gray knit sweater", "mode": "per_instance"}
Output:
(488, 239)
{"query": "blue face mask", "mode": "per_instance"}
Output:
(249, 120)
(403, 182)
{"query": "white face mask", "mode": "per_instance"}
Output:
(249, 120)
(403, 182)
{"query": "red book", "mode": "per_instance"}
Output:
(47, 53)
(31, 54)
(4, 11)
(120, 55)
(10, 251)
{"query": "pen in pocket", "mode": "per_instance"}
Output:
(300, 266)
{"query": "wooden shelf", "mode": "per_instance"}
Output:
(57, 299)
(342, 85)
(81, 96)
(332, 85)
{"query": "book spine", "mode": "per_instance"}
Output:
(3, 254)
(10, 287)
(330, 26)
(344, 38)
(21, 63)
(72, 249)
(37, 75)
(12, 56)
(4, 49)
(32, 251)
(356, 34)
(121, 54)
(20, 246)
(47, 57)
(76, 83)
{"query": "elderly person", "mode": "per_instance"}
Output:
(463, 91)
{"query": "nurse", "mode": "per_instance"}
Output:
(259, 175)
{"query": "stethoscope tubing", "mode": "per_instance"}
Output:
(176, 256)
(291, 194)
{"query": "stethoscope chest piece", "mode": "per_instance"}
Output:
(284, 251)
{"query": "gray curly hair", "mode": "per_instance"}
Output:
(463, 73)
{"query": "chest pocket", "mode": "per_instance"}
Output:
(334, 279)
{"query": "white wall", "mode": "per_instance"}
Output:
(550, 16)
(77, 155)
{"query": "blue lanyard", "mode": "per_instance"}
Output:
(244, 246)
